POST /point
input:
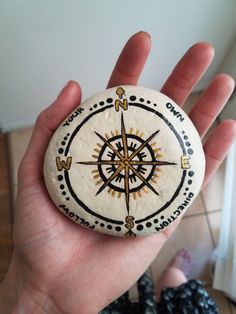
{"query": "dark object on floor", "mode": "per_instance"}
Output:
(190, 297)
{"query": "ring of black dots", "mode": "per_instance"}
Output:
(62, 186)
(149, 224)
(101, 103)
(187, 143)
(190, 152)
(109, 227)
(110, 100)
(63, 143)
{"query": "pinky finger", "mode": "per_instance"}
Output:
(217, 147)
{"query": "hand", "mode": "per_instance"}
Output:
(60, 267)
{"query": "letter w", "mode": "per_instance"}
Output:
(61, 164)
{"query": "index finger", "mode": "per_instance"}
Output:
(131, 60)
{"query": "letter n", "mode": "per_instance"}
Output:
(61, 164)
(123, 104)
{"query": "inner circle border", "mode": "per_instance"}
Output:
(84, 206)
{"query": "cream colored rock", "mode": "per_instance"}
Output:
(127, 162)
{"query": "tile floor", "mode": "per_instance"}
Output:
(201, 222)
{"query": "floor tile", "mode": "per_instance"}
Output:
(220, 300)
(197, 207)
(213, 191)
(17, 143)
(193, 234)
(215, 222)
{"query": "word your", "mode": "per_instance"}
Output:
(73, 116)
(175, 113)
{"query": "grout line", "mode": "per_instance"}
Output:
(194, 215)
(208, 222)
(214, 211)
(203, 213)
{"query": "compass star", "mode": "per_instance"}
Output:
(126, 162)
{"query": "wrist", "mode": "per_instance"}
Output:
(18, 296)
(21, 295)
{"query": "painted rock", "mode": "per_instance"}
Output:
(127, 162)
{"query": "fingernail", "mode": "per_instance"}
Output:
(64, 88)
(146, 33)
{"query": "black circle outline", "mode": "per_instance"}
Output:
(114, 187)
(106, 218)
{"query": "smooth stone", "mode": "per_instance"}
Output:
(127, 162)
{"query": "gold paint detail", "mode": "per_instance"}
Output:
(185, 162)
(145, 190)
(61, 164)
(96, 176)
(129, 222)
(129, 225)
(134, 195)
(123, 104)
(139, 193)
(120, 92)
(99, 182)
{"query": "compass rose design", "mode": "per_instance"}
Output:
(131, 165)
(126, 162)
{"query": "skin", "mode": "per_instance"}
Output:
(60, 267)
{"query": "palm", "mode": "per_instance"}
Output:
(62, 254)
(52, 247)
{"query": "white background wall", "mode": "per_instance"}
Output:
(46, 43)
(229, 66)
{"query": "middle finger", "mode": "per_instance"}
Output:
(188, 72)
